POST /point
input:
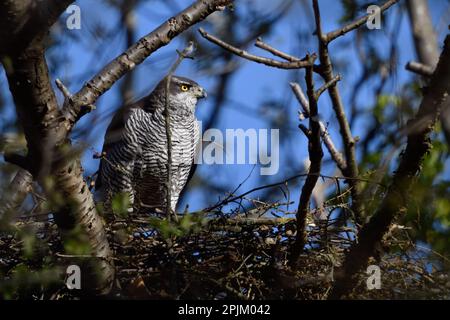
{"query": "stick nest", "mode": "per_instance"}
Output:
(220, 257)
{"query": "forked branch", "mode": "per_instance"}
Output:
(294, 64)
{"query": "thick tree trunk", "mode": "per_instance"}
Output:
(57, 172)
(37, 110)
(23, 27)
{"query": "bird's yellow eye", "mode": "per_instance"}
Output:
(184, 87)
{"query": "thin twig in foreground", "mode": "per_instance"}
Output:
(181, 55)
(283, 182)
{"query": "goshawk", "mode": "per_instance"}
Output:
(134, 160)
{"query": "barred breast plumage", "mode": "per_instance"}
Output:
(135, 149)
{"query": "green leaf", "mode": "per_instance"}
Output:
(120, 204)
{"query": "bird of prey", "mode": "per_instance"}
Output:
(134, 157)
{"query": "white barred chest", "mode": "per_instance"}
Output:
(151, 163)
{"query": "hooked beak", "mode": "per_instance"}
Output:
(201, 93)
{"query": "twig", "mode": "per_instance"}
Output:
(315, 157)
(261, 44)
(326, 86)
(305, 130)
(300, 95)
(84, 256)
(68, 99)
(283, 182)
(330, 36)
(181, 55)
(329, 144)
(419, 68)
(66, 93)
(297, 64)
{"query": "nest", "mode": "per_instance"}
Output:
(223, 257)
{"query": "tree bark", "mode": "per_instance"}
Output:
(23, 27)
(427, 49)
(14, 195)
(425, 39)
(396, 198)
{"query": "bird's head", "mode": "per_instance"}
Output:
(183, 93)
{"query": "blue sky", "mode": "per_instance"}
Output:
(251, 86)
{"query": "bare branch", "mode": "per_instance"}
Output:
(318, 21)
(136, 54)
(351, 167)
(300, 95)
(233, 198)
(327, 85)
(329, 144)
(427, 50)
(16, 192)
(261, 44)
(315, 158)
(356, 24)
(66, 93)
(335, 154)
(425, 38)
(396, 198)
(244, 54)
(419, 68)
(305, 130)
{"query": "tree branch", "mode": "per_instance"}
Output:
(351, 167)
(425, 39)
(47, 129)
(427, 50)
(297, 64)
(15, 194)
(136, 54)
(396, 198)
(420, 68)
(37, 110)
(22, 22)
(356, 24)
(326, 86)
(334, 153)
(315, 158)
(261, 44)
